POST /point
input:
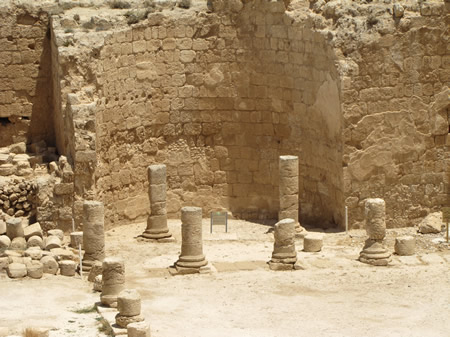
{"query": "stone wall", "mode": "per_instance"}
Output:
(217, 98)
(25, 76)
(396, 111)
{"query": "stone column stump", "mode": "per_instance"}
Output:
(288, 190)
(129, 306)
(93, 233)
(284, 255)
(191, 258)
(313, 242)
(113, 280)
(374, 252)
(157, 220)
(405, 245)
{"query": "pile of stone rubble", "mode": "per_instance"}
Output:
(17, 197)
(26, 251)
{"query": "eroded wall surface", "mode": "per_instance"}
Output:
(396, 110)
(218, 97)
(25, 77)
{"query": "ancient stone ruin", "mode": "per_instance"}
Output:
(282, 113)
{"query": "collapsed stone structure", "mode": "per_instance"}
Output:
(217, 92)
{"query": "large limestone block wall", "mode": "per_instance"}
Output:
(395, 70)
(25, 76)
(217, 97)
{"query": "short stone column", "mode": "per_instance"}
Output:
(93, 233)
(313, 242)
(191, 258)
(288, 189)
(374, 251)
(284, 255)
(129, 306)
(14, 228)
(157, 220)
(113, 280)
(405, 245)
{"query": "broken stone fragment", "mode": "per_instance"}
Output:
(14, 228)
(61, 254)
(98, 283)
(431, 224)
(35, 241)
(57, 232)
(113, 280)
(18, 148)
(35, 269)
(405, 245)
(129, 302)
(18, 244)
(313, 242)
(5, 242)
(50, 265)
(16, 270)
(51, 242)
(67, 268)
(33, 230)
(138, 329)
(34, 252)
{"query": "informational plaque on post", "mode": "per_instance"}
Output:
(219, 219)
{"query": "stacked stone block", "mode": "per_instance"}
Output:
(288, 189)
(157, 221)
(93, 233)
(25, 250)
(129, 306)
(284, 255)
(113, 280)
(191, 258)
(55, 196)
(374, 252)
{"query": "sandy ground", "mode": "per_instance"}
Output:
(334, 296)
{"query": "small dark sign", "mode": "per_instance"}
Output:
(219, 219)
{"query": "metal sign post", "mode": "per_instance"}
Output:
(446, 217)
(79, 251)
(219, 218)
(346, 220)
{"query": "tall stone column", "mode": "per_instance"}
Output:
(93, 233)
(191, 257)
(284, 255)
(157, 220)
(288, 187)
(374, 251)
(113, 280)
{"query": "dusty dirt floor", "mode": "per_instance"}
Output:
(334, 296)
